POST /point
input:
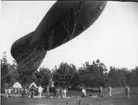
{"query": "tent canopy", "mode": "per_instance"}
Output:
(17, 85)
(33, 84)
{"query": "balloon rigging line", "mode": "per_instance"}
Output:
(66, 28)
(31, 60)
(74, 25)
(25, 58)
(21, 55)
(12, 70)
(60, 78)
(51, 37)
(42, 46)
(63, 23)
(76, 22)
(28, 55)
(34, 65)
(71, 78)
(65, 74)
(50, 79)
(41, 76)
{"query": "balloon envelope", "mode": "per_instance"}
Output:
(64, 21)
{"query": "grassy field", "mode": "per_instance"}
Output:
(117, 99)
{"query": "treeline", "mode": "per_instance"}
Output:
(93, 74)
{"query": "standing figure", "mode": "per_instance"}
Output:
(100, 91)
(127, 92)
(16, 92)
(26, 91)
(6, 90)
(32, 92)
(60, 92)
(67, 92)
(40, 90)
(47, 91)
(110, 91)
(84, 93)
(9, 91)
(57, 92)
(6, 93)
(64, 93)
(23, 92)
(53, 89)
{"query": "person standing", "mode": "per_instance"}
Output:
(83, 93)
(52, 83)
(40, 90)
(57, 94)
(23, 92)
(53, 88)
(47, 91)
(110, 91)
(6, 90)
(101, 91)
(54, 92)
(64, 93)
(32, 92)
(127, 92)
(6, 93)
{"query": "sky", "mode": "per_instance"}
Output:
(113, 38)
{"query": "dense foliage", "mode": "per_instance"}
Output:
(67, 75)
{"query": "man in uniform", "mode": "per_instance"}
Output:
(83, 93)
(110, 91)
(127, 92)
(101, 91)
(40, 90)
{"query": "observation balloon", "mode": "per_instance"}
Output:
(64, 21)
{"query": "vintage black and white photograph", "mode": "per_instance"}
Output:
(69, 52)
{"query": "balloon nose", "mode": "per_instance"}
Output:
(28, 57)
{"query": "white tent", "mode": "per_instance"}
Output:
(33, 84)
(17, 85)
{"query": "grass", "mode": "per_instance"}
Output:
(117, 99)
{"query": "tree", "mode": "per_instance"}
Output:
(4, 65)
(73, 77)
(94, 74)
(5, 78)
(66, 75)
(4, 70)
(13, 72)
(43, 76)
(113, 76)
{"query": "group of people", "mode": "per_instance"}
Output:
(58, 92)
(127, 91)
(21, 92)
(7, 92)
(32, 90)
(15, 92)
(61, 92)
(109, 89)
